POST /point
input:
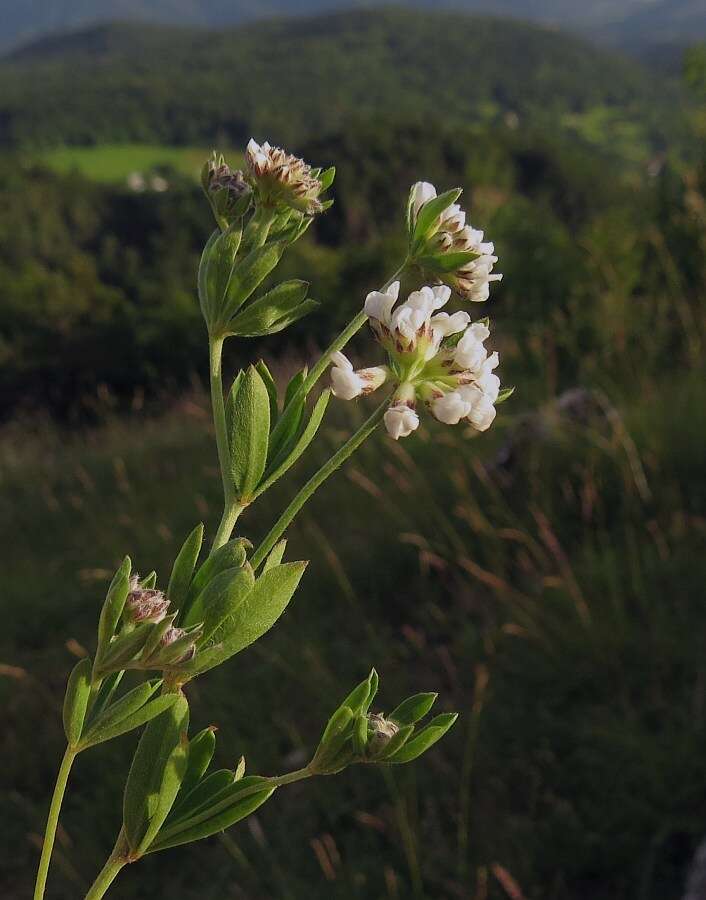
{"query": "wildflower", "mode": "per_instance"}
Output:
(145, 604)
(442, 244)
(348, 384)
(436, 358)
(281, 177)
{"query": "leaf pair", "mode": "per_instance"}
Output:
(89, 723)
(169, 797)
(225, 283)
(264, 444)
(238, 610)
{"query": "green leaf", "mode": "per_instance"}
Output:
(360, 735)
(425, 738)
(125, 715)
(260, 315)
(201, 749)
(221, 596)
(326, 178)
(155, 775)
(269, 381)
(123, 649)
(78, 690)
(240, 769)
(504, 394)
(192, 802)
(333, 752)
(442, 263)
(276, 555)
(248, 274)
(230, 556)
(308, 306)
(361, 696)
(218, 262)
(242, 800)
(149, 580)
(396, 742)
(285, 432)
(114, 604)
(105, 694)
(273, 473)
(183, 569)
(412, 709)
(249, 434)
(253, 617)
(430, 212)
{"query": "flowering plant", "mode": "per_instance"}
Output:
(218, 601)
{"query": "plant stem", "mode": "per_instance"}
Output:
(231, 508)
(316, 481)
(53, 821)
(107, 875)
(340, 342)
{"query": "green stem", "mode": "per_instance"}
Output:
(53, 821)
(340, 342)
(231, 508)
(107, 875)
(316, 481)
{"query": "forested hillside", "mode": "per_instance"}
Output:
(627, 22)
(293, 79)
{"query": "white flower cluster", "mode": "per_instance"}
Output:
(453, 377)
(451, 234)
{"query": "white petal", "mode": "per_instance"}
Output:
(444, 324)
(379, 305)
(341, 361)
(490, 385)
(345, 384)
(441, 295)
(482, 414)
(400, 421)
(450, 408)
(422, 192)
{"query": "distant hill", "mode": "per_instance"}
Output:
(634, 23)
(289, 80)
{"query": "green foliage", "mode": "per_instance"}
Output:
(155, 775)
(78, 690)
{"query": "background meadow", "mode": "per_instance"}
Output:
(546, 578)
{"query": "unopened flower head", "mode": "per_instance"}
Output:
(434, 357)
(380, 733)
(227, 190)
(281, 177)
(145, 604)
(448, 248)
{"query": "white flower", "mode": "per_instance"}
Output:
(422, 192)
(344, 381)
(481, 414)
(349, 384)
(470, 354)
(490, 385)
(450, 408)
(378, 304)
(443, 324)
(400, 421)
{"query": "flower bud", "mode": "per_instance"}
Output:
(400, 420)
(226, 189)
(380, 732)
(144, 604)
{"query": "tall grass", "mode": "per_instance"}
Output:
(547, 579)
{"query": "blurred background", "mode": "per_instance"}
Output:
(546, 579)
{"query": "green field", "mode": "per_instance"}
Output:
(113, 163)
